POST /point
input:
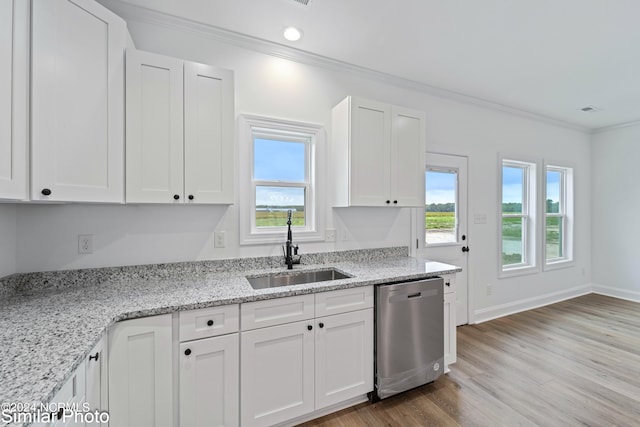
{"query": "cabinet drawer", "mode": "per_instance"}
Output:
(208, 322)
(344, 300)
(449, 283)
(260, 314)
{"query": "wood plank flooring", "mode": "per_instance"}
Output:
(574, 363)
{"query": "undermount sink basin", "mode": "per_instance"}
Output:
(295, 278)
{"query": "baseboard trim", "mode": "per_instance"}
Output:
(625, 294)
(490, 313)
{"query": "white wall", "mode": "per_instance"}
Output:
(7, 239)
(276, 87)
(615, 206)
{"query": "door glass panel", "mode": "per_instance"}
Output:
(512, 241)
(441, 210)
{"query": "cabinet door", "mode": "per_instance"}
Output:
(344, 357)
(277, 373)
(77, 109)
(209, 382)
(449, 329)
(408, 157)
(370, 145)
(71, 395)
(208, 134)
(141, 373)
(96, 390)
(154, 128)
(14, 90)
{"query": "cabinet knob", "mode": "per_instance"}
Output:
(395, 202)
(46, 192)
(191, 197)
(95, 357)
(388, 201)
(448, 283)
(187, 352)
(309, 327)
(209, 322)
(176, 197)
(60, 413)
(321, 325)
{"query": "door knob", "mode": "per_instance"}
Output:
(465, 249)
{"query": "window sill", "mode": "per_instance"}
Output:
(517, 271)
(558, 265)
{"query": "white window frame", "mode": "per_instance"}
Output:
(529, 264)
(313, 136)
(566, 213)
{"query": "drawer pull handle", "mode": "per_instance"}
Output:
(209, 322)
(95, 357)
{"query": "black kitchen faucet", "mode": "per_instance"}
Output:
(290, 250)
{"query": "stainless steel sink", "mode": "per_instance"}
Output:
(295, 278)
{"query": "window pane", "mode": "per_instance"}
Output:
(440, 210)
(554, 181)
(512, 189)
(278, 160)
(272, 204)
(512, 241)
(554, 238)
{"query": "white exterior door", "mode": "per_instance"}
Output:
(210, 381)
(208, 134)
(277, 365)
(77, 109)
(155, 141)
(141, 373)
(344, 357)
(445, 238)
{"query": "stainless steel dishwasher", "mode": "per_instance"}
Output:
(409, 335)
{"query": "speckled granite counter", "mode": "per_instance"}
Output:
(50, 321)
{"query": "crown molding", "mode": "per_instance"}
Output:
(133, 13)
(615, 127)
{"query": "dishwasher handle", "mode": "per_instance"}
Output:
(413, 296)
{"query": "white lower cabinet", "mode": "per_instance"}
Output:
(277, 366)
(209, 357)
(344, 357)
(449, 329)
(70, 396)
(97, 380)
(141, 372)
(209, 382)
(292, 369)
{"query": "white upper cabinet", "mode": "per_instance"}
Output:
(154, 127)
(14, 95)
(179, 131)
(378, 152)
(77, 121)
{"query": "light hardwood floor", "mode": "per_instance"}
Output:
(574, 363)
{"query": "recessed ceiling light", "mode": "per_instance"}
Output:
(292, 34)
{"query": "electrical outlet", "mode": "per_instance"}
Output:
(85, 243)
(330, 235)
(489, 289)
(218, 239)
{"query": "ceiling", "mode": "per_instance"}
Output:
(546, 57)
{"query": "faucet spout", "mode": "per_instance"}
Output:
(290, 250)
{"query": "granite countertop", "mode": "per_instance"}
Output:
(50, 321)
